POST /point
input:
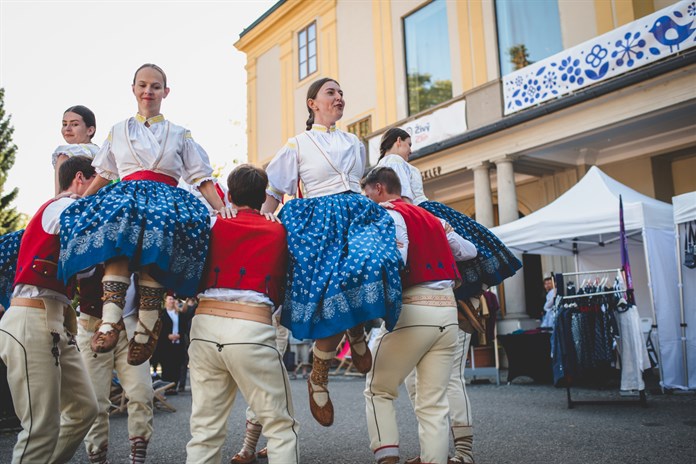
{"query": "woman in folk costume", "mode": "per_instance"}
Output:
(78, 128)
(494, 262)
(143, 223)
(344, 263)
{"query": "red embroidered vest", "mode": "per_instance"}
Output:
(429, 255)
(37, 263)
(247, 253)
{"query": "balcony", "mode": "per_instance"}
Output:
(650, 39)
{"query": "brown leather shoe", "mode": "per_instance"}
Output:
(243, 458)
(470, 318)
(138, 353)
(415, 460)
(323, 414)
(263, 454)
(104, 342)
(362, 362)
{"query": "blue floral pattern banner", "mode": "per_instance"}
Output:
(649, 39)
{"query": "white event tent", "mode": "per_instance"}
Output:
(685, 213)
(584, 222)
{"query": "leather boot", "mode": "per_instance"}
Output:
(247, 454)
(317, 384)
(98, 457)
(359, 352)
(138, 450)
(114, 297)
(464, 453)
(143, 343)
(390, 460)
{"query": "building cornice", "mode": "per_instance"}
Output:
(266, 30)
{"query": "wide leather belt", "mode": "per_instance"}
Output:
(256, 313)
(430, 300)
(28, 303)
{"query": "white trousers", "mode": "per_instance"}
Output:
(135, 381)
(226, 355)
(461, 421)
(53, 398)
(424, 338)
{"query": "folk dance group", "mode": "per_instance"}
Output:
(123, 232)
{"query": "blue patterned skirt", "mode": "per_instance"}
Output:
(494, 261)
(344, 265)
(150, 223)
(9, 252)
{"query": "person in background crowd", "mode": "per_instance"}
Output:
(187, 310)
(171, 346)
(547, 317)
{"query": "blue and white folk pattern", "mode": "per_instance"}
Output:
(644, 41)
(9, 252)
(148, 222)
(344, 265)
(493, 263)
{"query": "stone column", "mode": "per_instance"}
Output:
(483, 199)
(515, 312)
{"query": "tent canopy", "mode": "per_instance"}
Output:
(684, 207)
(585, 221)
(585, 217)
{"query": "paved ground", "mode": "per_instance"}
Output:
(518, 423)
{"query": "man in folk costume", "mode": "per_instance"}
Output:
(425, 335)
(135, 380)
(233, 342)
(51, 391)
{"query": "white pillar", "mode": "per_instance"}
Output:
(483, 199)
(515, 311)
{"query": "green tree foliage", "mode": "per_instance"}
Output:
(424, 94)
(9, 216)
(519, 56)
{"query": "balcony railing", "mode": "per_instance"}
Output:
(640, 43)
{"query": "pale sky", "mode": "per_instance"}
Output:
(56, 54)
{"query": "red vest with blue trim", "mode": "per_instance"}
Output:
(247, 253)
(429, 255)
(37, 263)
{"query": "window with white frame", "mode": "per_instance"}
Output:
(307, 50)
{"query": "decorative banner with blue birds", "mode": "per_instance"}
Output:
(642, 42)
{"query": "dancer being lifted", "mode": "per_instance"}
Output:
(494, 262)
(78, 128)
(344, 260)
(144, 223)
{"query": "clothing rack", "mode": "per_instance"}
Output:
(558, 282)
